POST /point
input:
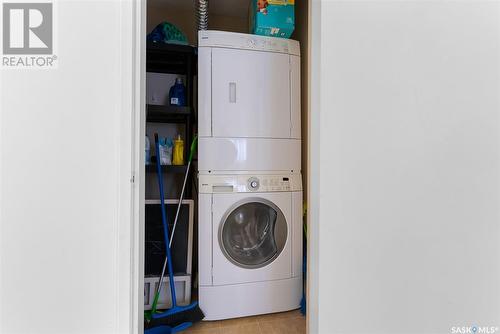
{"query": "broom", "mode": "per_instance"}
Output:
(178, 316)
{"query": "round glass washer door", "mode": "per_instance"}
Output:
(253, 233)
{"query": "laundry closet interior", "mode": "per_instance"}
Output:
(226, 148)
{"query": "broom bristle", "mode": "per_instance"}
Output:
(190, 314)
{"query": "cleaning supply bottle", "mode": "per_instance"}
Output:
(166, 146)
(178, 158)
(177, 94)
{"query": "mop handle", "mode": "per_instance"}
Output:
(191, 153)
(160, 282)
(165, 227)
(179, 204)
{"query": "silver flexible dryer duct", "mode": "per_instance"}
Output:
(201, 14)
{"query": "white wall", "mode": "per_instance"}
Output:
(65, 175)
(405, 173)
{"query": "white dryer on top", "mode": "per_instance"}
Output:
(248, 102)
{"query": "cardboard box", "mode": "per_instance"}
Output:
(274, 18)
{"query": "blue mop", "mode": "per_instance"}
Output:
(164, 329)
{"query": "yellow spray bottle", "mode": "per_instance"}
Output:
(178, 156)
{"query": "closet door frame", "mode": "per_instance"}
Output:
(131, 245)
(130, 285)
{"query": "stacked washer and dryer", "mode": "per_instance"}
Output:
(250, 184)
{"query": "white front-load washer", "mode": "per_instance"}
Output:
(250, 244)
(248, 103)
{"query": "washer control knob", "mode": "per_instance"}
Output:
(253, 183)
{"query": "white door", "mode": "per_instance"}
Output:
(405, 167)
(250, 94)
(251, 237)
(67, 243)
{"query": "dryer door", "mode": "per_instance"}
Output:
(250, 94)
(251, 237)
(253, 233)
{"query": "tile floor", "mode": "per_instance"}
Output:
(277, 323)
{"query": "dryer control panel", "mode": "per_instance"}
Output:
(224, 39)
(249, 183)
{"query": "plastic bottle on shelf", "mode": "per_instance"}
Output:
(178, 157)
(177, 94)
(166, 146)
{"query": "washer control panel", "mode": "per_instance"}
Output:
(249, 183)
(276, 183)
(253, 184)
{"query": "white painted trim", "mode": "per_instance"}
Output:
(139, 193)
(314, 164)
(130, 243)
